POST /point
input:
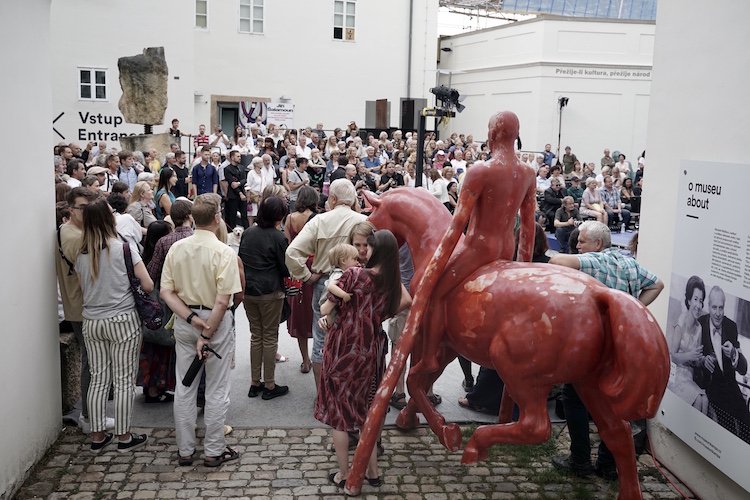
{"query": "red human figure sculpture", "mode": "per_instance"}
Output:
(537, 325)
(492, 193)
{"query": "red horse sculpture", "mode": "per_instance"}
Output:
(537, 325)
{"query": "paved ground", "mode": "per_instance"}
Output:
(285, 454)
(294, 463)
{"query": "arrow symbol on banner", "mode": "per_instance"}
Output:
(53, 128)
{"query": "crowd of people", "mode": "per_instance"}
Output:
(272, 219)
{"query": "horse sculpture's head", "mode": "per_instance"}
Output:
(408, 212)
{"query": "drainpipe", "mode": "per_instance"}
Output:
(408, 63)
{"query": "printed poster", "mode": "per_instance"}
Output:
(278, 113)
(707, 403)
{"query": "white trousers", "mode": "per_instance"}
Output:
(217, 386)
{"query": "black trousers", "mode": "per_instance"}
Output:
(231, 207)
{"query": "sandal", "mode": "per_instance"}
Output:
(305, 367)
(228, 455)
(185, 461)
(398, 400)
(435, 399)
(332, 478)
(280, 358)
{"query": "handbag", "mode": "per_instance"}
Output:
(163, 336)
(148, 307)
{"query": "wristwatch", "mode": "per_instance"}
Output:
(190, 317)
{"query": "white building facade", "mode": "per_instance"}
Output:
(602, 66)
(324, 58)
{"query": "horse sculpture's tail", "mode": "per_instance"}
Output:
(633, 392)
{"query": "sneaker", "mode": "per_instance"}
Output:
(278, 390)
(256, 390)
(564, 464)
(136, 441)
(97, 447)
(608, 472)
(85, 425)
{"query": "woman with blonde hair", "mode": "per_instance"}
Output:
(591, 202)
(331, 146)
(111, 325)
(140, 204)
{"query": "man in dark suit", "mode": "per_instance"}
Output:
(722, 359)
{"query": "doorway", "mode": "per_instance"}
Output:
(229, 116)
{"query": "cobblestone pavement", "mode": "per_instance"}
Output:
(277, 463)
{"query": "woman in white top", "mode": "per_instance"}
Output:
(254, 186)
(439, 187)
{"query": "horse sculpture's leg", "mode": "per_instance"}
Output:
(533, 425)
(506, 407)
(616, 434)
(419, 383)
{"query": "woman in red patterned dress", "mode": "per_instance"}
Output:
(354, 351)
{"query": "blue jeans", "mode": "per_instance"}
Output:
(319, 290)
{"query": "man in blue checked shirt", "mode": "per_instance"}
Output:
(618, 271)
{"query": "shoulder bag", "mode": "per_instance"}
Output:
(148, 307)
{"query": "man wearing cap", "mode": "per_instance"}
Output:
(101, 175)
(200, 302)
(575, 190)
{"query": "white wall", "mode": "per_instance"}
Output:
(603, 67)
(698, 111)
(29, 358)
(328, 80)
(95, 33)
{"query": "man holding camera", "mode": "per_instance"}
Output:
(390, 178)
(199, 278)
(566, 219)
(218, 141)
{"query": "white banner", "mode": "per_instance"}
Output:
(708, 324)
(278, 113)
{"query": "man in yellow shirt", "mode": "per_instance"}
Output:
(199, 277)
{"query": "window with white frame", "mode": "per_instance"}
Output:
(201, 14)
(92, 84)
(343, 19)
(251, 16)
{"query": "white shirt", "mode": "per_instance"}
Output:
(256, 182)
(74, 183)
(221, 146)
(128, 228)
(268, 174)
(542, 184)
(303, 152)
(439, 189)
